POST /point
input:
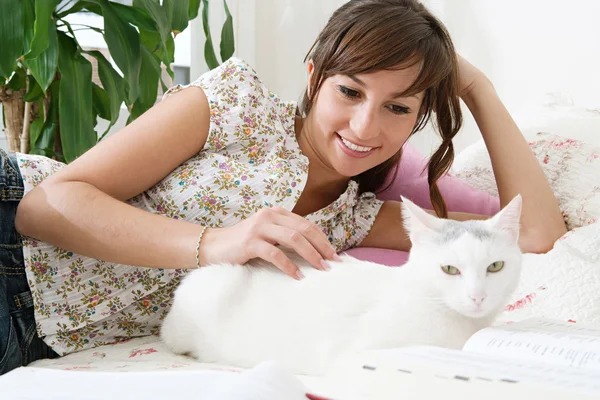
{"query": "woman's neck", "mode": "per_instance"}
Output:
(323, 185)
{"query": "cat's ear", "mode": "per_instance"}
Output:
(418, 222)
(508, 219)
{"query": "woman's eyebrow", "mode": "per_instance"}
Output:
(394, 95)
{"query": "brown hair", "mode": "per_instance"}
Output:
(369, 35)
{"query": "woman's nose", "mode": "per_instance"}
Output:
(365, 124)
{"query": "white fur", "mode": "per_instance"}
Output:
(243, 315)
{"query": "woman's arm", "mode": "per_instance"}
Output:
(515, 168)
(81, 208)
(388, 230)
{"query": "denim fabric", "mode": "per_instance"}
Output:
(19, 343)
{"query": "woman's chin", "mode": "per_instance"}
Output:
(349, 167)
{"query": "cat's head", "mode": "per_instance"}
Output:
(472, 266)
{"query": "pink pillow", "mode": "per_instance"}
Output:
(411, 182)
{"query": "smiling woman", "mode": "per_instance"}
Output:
(375, 71)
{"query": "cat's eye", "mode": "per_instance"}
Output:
(495, 266)
(450, 270)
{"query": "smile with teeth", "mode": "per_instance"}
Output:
(354, 147)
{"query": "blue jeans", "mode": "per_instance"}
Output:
(19, 342)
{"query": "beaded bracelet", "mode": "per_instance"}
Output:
(198, 246)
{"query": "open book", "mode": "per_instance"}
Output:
(553, 355)
(266, 381)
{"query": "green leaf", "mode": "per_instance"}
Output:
(28, 24)
(75, 100)
(112, 83)
(209, 51)
(11, 36)
(101, 102)
(123, 42)
(227, 40)
(43, 67)
(177, 12)
(169, 56)
(136, 16)
(81, 5)
(193, 9)
(157, 13)
(44, 142)
(35, 128)
(150, 75)
(149, 78)
(17, 80)
(152, 41)
(133, 15)
(35, 91)
(43, 21)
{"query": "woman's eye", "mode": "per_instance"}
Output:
(346, 91)
(399, 109)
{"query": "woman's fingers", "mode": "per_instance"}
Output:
(308, 230)
(296, 241)
(270, 253)
(276, 226)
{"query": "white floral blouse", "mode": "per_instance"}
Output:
(251, 160)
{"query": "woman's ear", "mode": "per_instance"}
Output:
(310, 69)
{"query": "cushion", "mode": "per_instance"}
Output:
(571, 166)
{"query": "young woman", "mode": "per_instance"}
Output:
(224, 171)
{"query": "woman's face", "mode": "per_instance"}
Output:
(357, 122)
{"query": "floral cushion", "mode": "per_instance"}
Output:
(571, 166)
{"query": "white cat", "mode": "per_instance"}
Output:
(458, 278)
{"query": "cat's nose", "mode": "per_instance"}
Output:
(477, 299)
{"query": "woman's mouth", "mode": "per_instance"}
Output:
(352, 149)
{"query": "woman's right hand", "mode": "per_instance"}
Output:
(258, 237)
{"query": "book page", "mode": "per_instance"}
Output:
(265, 381)
(471, 368)
(560, 343)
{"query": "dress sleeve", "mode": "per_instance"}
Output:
(348, 221)
(362, 218)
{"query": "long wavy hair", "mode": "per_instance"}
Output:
(365, 36)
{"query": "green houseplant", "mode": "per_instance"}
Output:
(50, 104)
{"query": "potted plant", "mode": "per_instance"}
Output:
(50, 104)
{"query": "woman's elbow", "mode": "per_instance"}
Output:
(540, 241)
(27, 214)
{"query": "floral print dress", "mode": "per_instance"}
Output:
(251, 160)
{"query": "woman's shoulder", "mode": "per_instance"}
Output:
(235, 85)
(234, 76)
